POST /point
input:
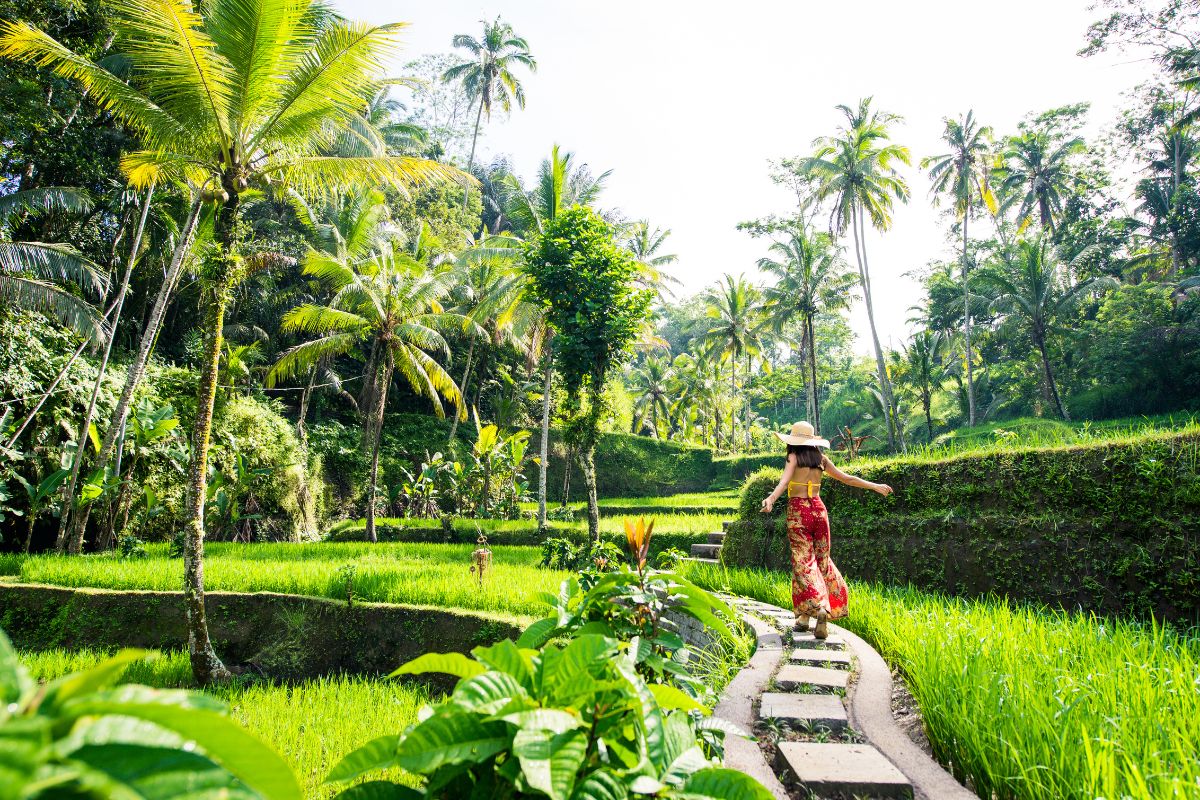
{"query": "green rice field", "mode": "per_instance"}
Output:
(312, 724)
(1028, 703)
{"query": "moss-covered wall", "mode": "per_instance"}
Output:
(281, 636)
(1113, 529)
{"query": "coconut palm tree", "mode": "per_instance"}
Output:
(225, 112)
(33, 274)
(735, 333)
(856, 171)
(386, 309)
(924, 360)
(488, 74)
(1036, 175)
(964, 175)
(1031, 289)
(650, 384)
(811, 278)
(645, 243)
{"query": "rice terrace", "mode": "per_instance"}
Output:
(789, 401)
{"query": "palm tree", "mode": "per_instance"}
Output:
(561, 183)
(964, 174)
(1032, 290)
(856, 169)
(735, 332)
(488, 74)
(32, 274)
(924, 361)
(389, 305)
(1035, 176)
(645, 242)
(224, 111)
(650, 384)
(810, 278)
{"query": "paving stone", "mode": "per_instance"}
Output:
(701, 560)
(705, 550)
(841, 769)
(715, 538)
(837, 659)
(792, 676)
(813, 711)
(808, 641)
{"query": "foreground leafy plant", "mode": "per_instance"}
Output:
(83, 736)
(575, 722)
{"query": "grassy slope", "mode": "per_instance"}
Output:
(416, 574)
(1031, 704)
(312, 724)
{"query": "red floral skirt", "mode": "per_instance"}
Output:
(816, 582)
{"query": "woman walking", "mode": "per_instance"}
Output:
(818, 589)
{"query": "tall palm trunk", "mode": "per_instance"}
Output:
(544, 451)
(463, 388)
(214, 298)
(1039, 337)
(733, 398)
(814, 412)
(137, 367)
(967, 325)
(864, 275)
(376, 434)
(588, 462)
(747, 398)
(76, 541)
(305, 399)
(471, 158)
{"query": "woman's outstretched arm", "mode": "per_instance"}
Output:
(768, 503)
(853, 480)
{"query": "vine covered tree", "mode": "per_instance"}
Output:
(587, 284)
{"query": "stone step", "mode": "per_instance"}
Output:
(806, 711)
(792, 677)
(725, 525)
(715, 538)
(835, 659)
(810, 642)
(850, 770)
(701, 560)
(706, 551)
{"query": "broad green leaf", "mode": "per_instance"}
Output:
(651, 714)
(543, 719)
(681, 754)
(99, 677)
(582, 656)
(159, 773)
(538, 633)
(550, 762)
(507, 657)
(24, 746)
(600, 786)
(450, 663)
(488, 693)
(719, 783)
(14, 680)
(670, 698)
(449, 737)
(375, 755)
(726, 727)
(94, 436)
(221, 738)
(379, 790)
(644, 784)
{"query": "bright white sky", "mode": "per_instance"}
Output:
(687, 101)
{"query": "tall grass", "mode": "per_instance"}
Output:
(1031, 704)
(415, 574)
(311, 723)
(726, 498)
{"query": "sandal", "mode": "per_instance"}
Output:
(802, 622)
(821, 631)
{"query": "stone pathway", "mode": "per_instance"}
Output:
(793, 694)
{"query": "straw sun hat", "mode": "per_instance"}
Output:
(803, 433)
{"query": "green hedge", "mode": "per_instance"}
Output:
(1108, 528)
(631, 466)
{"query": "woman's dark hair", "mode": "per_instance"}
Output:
(806, 455)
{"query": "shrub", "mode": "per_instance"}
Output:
(632, 466)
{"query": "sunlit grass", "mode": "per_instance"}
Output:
(1027, 703)
(416, 574)
(311, 723)
(716, 500)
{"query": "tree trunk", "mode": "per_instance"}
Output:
(214, 298)
(1040, 340)
(885, 385)
(29, 531)
(463, 390)
(814, 411)
(302, 417)
(149, 337)
(376, 427)
(967, 326)
(746, 392)
(77, 532)
(588, 462)
(471, 158)
(733, 398)
(544, 452)
(926, 402)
